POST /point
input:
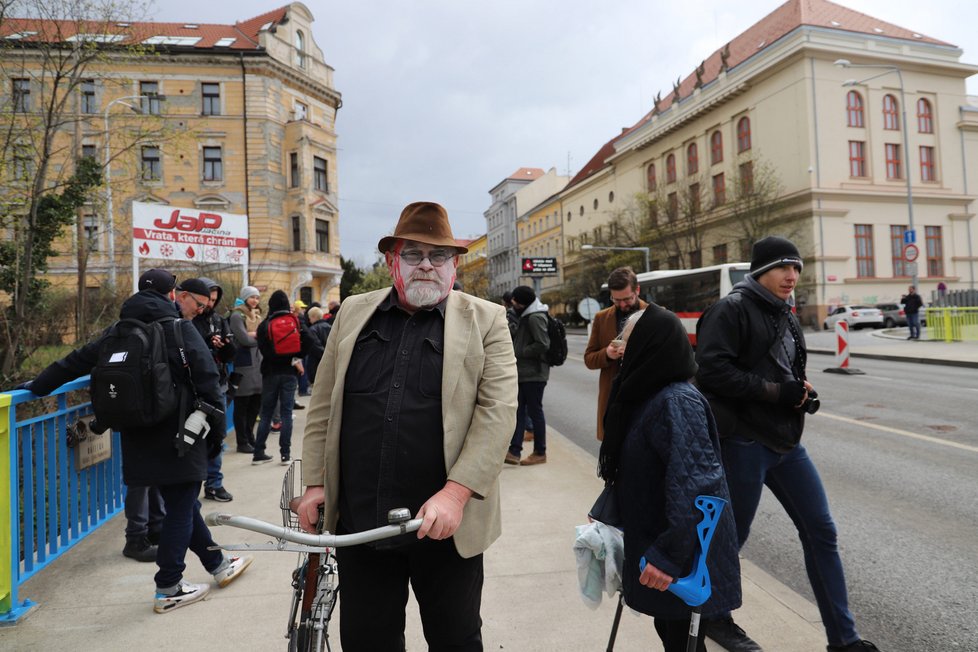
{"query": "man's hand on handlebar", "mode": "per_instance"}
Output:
(308, 509)
(442, 513)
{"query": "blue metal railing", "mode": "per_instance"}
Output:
(49, 504)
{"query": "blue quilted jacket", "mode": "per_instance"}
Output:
(670, 456)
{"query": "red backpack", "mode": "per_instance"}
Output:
(283, 332)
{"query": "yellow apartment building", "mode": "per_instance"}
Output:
(540, 237)
(473, 269)
(233, 118)
(779, 102)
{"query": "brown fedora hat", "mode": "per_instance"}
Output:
(422, 221)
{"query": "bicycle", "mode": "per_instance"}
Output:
(315, 582)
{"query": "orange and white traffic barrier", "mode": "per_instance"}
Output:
(842, 344)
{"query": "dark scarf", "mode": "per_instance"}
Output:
(657, 354)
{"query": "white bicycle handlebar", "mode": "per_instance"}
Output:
(326, 540)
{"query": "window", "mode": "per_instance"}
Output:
(865, 266)
(935, 251)
(301, 110)
(672, 262)
(300, 49)
(151, 97)
(692, 159)
(296, 233)
(213, 164)
(720, 254)
(743, 135)
(210, 99)
(857, 158)
(322, 236)
(719, 190)
(151, 166)
(893, 162)
(650, 177)
(925, 117)
(294, 170)
(896, 250)
(22, 95)
(88, 103)
(319, 174)
(716, 148)
(23, 168)
(747, 181)
(694, 199)
(595, 204)
(91, 231)
(890, 119)
(927, 164)
(672, 210)
(695, 259)
(671, 168)
(89, 151)
(854, 109)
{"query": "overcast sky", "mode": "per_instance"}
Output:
(442, 99)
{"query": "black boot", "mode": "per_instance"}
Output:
(728, 634)
(140, 550)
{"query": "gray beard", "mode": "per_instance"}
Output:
(422, 295)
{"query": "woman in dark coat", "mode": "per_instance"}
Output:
(661, 451)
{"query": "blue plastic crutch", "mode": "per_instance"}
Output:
(695, 589)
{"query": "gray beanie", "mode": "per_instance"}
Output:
(249, 291)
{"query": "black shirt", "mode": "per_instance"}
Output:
(391, 438)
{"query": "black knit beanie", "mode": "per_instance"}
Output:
(524, 295)
(773, 252)
(278, 302)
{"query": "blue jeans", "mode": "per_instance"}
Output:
(795, 482)
(183, 529)
(276, 391)
(215, 478)
(913, 323)
(530, 403)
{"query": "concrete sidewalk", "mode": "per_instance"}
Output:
(93, 598)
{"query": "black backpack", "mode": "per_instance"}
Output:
(132, 384)
(557, 352)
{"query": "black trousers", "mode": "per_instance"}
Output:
(675, 635)
(246, 409)
(374, 593)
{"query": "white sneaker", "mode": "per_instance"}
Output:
(187, 593)
(236, 566)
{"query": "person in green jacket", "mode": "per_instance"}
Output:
(530, 344)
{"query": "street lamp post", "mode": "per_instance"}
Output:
(644, 250)
(108, 183)
(845, 63)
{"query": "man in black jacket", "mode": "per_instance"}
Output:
(751, 356)
(216, 332)
(150, 456)
(912, 303)
(280, 378)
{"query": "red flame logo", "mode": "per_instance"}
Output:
(190, 252)
(144, 249)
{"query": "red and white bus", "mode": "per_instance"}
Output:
(687, 292)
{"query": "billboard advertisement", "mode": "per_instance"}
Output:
(188, 235)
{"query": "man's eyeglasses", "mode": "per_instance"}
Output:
(200, 306)
(437, 258)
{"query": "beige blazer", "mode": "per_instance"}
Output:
(478, 408)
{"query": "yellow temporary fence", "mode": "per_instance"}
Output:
(952, 324)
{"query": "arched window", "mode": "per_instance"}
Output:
(671, 168)
(692, 159)
(743, 135)
(650, 177)
(854, 109)
(890, 120)
(925, 117)
(300, 49)
(716, 147)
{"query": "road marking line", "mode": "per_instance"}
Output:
(897, 431)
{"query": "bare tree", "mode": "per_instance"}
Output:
(51, 50)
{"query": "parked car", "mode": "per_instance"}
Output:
(894, 315)
(855, 316)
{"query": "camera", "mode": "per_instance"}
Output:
(812, 403)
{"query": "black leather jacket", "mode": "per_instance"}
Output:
(739, 340)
